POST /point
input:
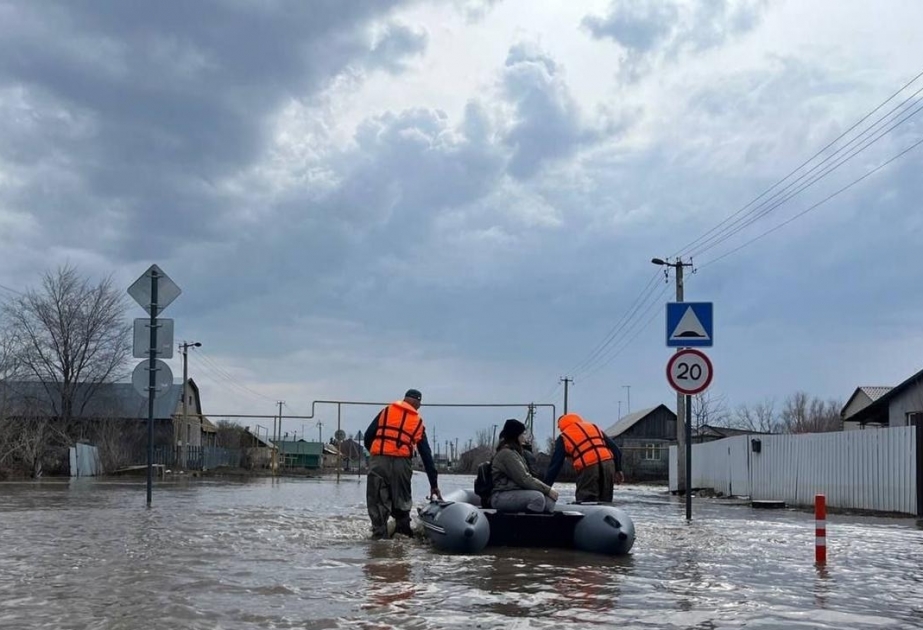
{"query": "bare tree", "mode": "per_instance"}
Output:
(229, 434)
(484, 437)
(805, 414)
(71, 336)
(709, 408)
(549, 445)
(469, 461)
(760, 417)
(119, 442)
(9, 371)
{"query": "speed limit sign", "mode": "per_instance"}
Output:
(689, 371)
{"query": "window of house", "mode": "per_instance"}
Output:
(651, 452)
(188, 434)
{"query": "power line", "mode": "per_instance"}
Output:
(228, 377)
(6, 288)
(798, 168)
(619, 325)
(654, 313)
(212, 374)
(818, 204)
(749, 219)
(651, 301)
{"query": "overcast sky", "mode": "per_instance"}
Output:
(464, 196)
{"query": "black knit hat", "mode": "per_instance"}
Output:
(414, 393)
(512, 429)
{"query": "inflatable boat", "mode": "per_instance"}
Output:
(458, 524)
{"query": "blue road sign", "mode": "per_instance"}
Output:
(690, 325)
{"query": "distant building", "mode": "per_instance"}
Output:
(300, 454)
(645, 437)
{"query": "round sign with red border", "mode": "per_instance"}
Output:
(689, 371)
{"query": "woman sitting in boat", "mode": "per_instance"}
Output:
(514, 489)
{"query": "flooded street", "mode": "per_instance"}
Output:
(296, 554)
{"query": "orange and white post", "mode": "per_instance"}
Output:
(820, 529)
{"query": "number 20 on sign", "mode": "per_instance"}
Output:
(689, 371)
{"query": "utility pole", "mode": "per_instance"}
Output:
(277, 434)
(185, 426)
(280, 417)
(620, 410)
(628, 387)
(567, 381)
(680, 399)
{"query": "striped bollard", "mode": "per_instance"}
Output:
(820, 529)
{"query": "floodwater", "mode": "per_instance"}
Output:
(295, 554)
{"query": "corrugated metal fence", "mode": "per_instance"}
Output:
(868, 470)
(84, 461)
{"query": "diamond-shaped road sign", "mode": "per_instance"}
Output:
(167, 291)
(141, 349)
(163, 377)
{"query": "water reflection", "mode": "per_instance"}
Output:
(296, 554)
(546, 583)
(823, 585)
(388, 573)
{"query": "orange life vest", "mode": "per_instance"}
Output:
(584, 442)
(399, 429)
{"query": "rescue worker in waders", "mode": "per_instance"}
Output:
(390, 440)
(597, 460)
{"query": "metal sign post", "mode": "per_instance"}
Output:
(151, 387)
(689, 372)
(153, 291)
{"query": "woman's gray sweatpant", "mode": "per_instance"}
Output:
(521, 501)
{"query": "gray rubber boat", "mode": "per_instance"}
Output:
(459, 525)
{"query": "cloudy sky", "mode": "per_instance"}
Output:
(464, 196)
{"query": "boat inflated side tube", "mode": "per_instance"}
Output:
(455, 527)
(605, 529)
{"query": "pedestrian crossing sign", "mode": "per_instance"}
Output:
(689, 325)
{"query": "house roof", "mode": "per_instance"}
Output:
(880, 405)
(110, 400)
(352, 449)
(723, 432)
(249, 435)
(874, 392)
(626, 422)
(299, 447)
(208, 426)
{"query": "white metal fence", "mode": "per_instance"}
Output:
(84, 461)
(869, 470)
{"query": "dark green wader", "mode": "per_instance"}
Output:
(388, 494)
